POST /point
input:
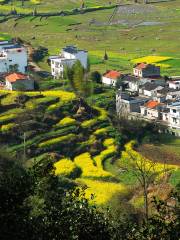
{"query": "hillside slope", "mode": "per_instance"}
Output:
(54, 124)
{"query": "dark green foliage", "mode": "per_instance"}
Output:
(164, 224)
(96, 77)
(39, 54)
(106, 56)
(35, 204)
(78, 79)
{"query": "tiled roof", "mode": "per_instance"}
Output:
(152, 104)
(112, 74)
(141, 66)
(149, 86)
(13, 77)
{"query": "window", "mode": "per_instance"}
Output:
(174, 110)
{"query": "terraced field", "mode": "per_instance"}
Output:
(81, 142)
(40, 125)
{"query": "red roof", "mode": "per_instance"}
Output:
(152, 104)
(141, 66)
(112, 74)
(13, 77)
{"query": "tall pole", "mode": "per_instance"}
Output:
(24, 144)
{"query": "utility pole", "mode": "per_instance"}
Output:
(24, 144)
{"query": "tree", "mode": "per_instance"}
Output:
(79, 80)
(164, 223)
(105, 56)
(36, 204)
(96, 77)
(144, 171)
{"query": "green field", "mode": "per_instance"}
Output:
(126, 37)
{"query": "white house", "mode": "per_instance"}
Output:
(19, 81)
(68, 56)
(151, 110)
(174, 115)
(13, 57)
(111, 77)
(146, 70)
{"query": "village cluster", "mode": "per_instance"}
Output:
(143, 95)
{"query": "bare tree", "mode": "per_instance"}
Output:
(145, 173)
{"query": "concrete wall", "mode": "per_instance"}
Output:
(14, 57)
(109, 81)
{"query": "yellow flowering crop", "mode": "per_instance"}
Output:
(103, 191)
(151, 59)
(7, 117)
(64, 167)
(89, 123)
(140, 160)
(66, 121)
(85, 162)
(101, 131)
(111, 150)
(63, 95)
(56, 140)
(108, 142)
(103, 113)
(7, 127)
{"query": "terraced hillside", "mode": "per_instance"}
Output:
(78, 139)
(55, 124)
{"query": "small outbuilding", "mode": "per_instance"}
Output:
(19, 81)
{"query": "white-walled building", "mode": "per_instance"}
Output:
(13, 57)
(111, 77)
(174, 115)
(151, 110)
(68, 56)
(19, 81)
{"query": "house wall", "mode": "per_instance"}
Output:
(124, 107)
(13, 57)
(82, 56)
(147, 93)
(58, 65)
(152, 113)
(134, 86)
(174, 85)
(109, 81)
(165, 117)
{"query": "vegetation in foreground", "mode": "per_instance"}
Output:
(36, 204)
